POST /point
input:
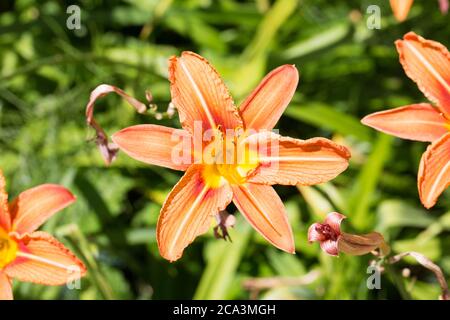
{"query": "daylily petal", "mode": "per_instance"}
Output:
(43, 259)
(313, 234)
(263, 209)
(5, 219)
(289, 161)
(34, 206)
(199, 94)
(434, 171)
(157, 145)
(330, 247)
(401, 8)
(6, 292)
(265, 105)
(420, 122)
(334, 220)
(428, 64)
(187, 212)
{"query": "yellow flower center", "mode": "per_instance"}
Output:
(228, 163)
(8, 249)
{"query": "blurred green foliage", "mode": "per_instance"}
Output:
(347, 71)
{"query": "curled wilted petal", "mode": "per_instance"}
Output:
(327, 233)
(107, 149)
(333, 241)
(334, 220)
(329, 230)
(314, 233)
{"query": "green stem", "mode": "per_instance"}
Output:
(81, 245)
(397, 281)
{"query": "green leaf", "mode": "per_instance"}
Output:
(318, 203)
(284, 264)
(267, 30)
(397, 213)
(222, 264)
(327, 117)
(318, 41)
(366, 183)
(430, 248)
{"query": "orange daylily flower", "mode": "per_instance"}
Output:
(428, 64)
(401, 8)
(30, 255)
(207, 187)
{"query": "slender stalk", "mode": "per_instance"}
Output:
(82, 246)
(430, 265)
(398, 282)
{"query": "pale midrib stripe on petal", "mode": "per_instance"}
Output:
(422, 59)
(43, 260)
(256, 116)
(180, 228)
(433, 123)
(437, 181)
(304, 159)
(199, 94)
(258, 207)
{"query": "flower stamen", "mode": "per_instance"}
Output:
(8, 249)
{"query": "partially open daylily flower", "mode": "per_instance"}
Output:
(215, 133)
(428, 64)
(401, 8)
(30, 255)
(332, 240)
(444, 5)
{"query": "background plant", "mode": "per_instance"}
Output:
(347, 71)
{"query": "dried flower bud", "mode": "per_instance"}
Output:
(107, 149)
(148, 96)
(406, 272)
(224, 221)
